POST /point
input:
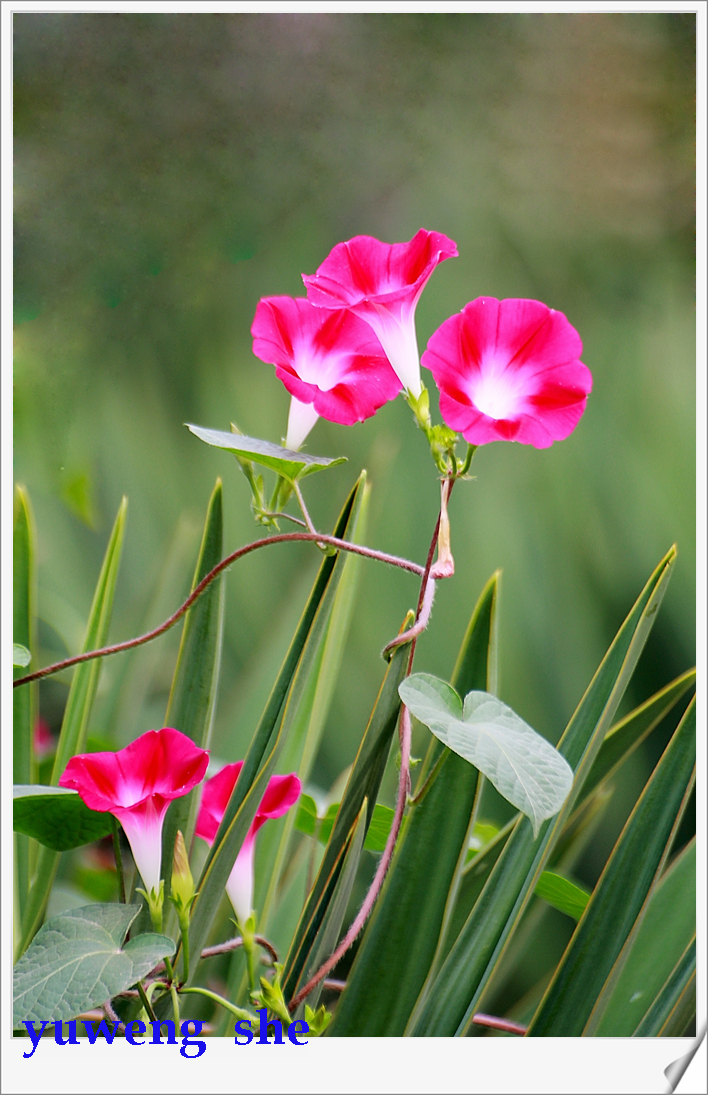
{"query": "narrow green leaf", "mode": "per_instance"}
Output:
(562, 894)
(525, 768)
(74, 727)
(464, 975)
(675, 1006)
(57, 817)
(291, 465)
(192, 701)
(271, 731)
(581, 987)
(24, 700)
(76, 962)
(308, 722)
(410, 917)
(363, 784)
(623, 738)
(329, 931)
(666, 930)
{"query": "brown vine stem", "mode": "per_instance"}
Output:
(283, 537)
(496, 1023)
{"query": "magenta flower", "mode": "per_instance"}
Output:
(509, 370)
(136, 785)
(381, 283)
(330, 362)
(281, 793)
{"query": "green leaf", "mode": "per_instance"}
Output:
(330, 928)
(192, 700)
(408, 924)
(21, 656)
(271, 731)
(76, 962)
(308, 723)
(307, 821)
(525, 768)
(363, 784)
(626, 735)
(562, 894)
(583, 982)
(471, 962)
(665, 932)
(24, 699)
(74, 727)
(291, 465)
(57, 817)
(306, 818)
(675, 1006)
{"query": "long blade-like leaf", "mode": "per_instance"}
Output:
(666, 930)
(363, 783)
(404, 931)
(329, 931)
(272, 730)
(76, 715)
(581, 987)
(190, 707)
(24, 700)
(675, 1005)
(465, 973)
(303, 740)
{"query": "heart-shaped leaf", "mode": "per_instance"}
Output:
(521, 764)
(57, 817)
(291, 465)
(76, 962)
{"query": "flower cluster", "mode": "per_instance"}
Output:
(507, 370)
(137, 785)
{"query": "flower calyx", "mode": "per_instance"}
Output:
(317, 1021)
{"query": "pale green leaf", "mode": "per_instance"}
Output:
(521, 764)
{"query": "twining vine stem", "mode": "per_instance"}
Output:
(283, 537)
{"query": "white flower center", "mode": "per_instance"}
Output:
(497, 394)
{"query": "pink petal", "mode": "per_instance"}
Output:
(136, 785)
(163, 762)
(215, 797)
(364, 268)
(329, 359)
(279, 796)
(509, 370)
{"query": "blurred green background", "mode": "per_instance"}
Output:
(172, 169)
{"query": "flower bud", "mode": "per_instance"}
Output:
(182, 885)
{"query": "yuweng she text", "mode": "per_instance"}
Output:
(244, 1033)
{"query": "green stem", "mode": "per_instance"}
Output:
(184, 926)
(118, 859)
(240, 1013)
(146, 1004)
(175, 1003)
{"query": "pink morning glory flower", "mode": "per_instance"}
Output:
(381, 283)
(281, 793)
(509, 370)
(330, 362)
(136, 785)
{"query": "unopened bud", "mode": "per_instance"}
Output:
(182, 885)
